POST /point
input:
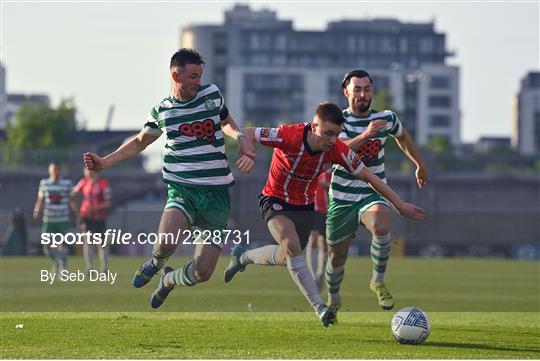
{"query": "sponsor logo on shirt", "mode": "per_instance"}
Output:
(277, 207)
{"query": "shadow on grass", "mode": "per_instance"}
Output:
(481, 347)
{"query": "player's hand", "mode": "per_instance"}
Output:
(93, 161)
(374, 127)
(411, 211)
(245, 147)
(36, 214)
(421, 176)
(245, 164)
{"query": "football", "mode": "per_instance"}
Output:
(410, 325)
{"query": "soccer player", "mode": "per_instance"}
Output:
(55, 196)
(301, 153)
(353, 201)
(96, 201)
(195, 169)
(316, 251)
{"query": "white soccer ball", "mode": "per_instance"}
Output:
(410, 326)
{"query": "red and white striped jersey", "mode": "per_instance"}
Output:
(321, 193)
(94, 194)
(295, 167)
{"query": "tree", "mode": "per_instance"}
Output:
(382, 100)
(439, 145)
(39, 126)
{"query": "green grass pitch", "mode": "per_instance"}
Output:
(478, 309)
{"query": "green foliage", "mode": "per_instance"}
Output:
(382, 100)
(39, 126)
(439, 145)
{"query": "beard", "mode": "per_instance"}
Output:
(359, 108)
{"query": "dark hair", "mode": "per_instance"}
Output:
(359, 73)
(186, 56)
(328, 111)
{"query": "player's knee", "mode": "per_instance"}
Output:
(291, 247)
(202, 275)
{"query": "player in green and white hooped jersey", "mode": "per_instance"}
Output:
(195, 170)
(55, 196)
(353, 201)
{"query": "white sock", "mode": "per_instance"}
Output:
(266, 255)
(104, 258)
(311, 259)
(304, 280)
(89, 256)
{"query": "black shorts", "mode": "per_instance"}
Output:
(93, 225)
(301, 216)
(319, 223)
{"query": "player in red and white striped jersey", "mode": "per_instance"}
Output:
(301, 153)
(96, 201)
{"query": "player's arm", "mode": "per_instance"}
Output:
(406, 143)
(372, 129)
(73, 204)
(405, 209)
(246, 150)
(38, 206)
(127, 150)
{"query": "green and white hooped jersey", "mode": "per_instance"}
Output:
(344, 186)
(195, 151)
(56, 196)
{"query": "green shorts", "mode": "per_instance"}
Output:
(60, 227)
(343, 218)
(204, 208)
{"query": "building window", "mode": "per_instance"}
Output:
(426, 46)
(439, 82)
(440, 120)
(439, 101)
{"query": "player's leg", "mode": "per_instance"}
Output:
(198, 270)
(103, 248)
(56, 253)
(270, 255)
(312, 252)
(377, 219)
(319, 224)
(341, 225)
(322, 256)
(88, 247)
(335, 268)
(284, 232)
(213, 207)
(172, 220)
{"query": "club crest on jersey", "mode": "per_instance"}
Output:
(209, 104)
(277, 207)
(355, 160)
(270, 135)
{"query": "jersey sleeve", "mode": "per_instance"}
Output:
(397, 127)
(152, 122)
(347, 158)
(272, 137)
